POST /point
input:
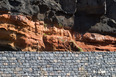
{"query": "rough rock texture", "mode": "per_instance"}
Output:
(76, 13)
(20, 33)
(54, 11)
(64, 19)
(98, 42)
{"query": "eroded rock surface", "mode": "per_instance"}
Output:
(20, 33)
(32, 25)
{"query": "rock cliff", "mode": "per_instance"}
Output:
(58, 25)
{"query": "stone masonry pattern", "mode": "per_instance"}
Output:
(57, 64)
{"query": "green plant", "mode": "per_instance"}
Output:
(44, 34)
(45, 25)
(80, 49)
(49, 33)
(60, 25)
(61, 39)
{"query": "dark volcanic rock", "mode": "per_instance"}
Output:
(105, 26)
(111, 9)
(88, 14)
(82, 15)
(68, 6)
(96, 16)
(91, 6)
(57, 11)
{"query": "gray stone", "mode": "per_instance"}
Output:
(98, 64)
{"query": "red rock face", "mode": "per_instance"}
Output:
(97, 42)
(22, 33)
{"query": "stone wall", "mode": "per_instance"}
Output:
(57, 64)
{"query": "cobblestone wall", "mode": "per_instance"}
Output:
(57, 64)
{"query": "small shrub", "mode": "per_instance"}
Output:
(60, 25)
(80, 49)
(44, 34)
(45, 25)
(49, 33)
